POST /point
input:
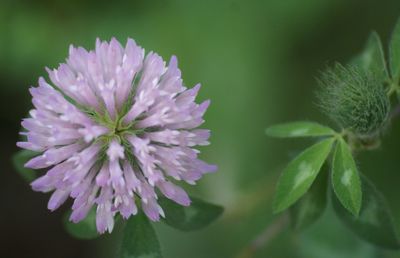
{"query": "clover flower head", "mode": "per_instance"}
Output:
(114, 130)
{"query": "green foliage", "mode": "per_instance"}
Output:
(375, 223)
(356, 100)
(196, 216)
(331, 239)
(139, 240)
(299, 129)
(345, 178)
(372, 58)
(394, 56)
(300, 173)
(85, 229)
(19, 159)
(312, 205)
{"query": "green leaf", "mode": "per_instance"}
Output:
(372, 58)
(298, 176)
(394, 55)
(312, 205)
(196, 216)
(19, 159)
(375, 222)
(345, 178)
(139, 240)
(298, 129)
(85, 229)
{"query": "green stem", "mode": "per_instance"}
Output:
(393, 88)
(264, 238)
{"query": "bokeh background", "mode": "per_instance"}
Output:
(257, 62)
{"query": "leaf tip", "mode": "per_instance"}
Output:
(269, 131)
(279, 206)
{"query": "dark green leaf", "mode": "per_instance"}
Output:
(345, 178)
(312, 205)
(85, 229)
(394, 55)
(299, 175)
(372, 58)
(198, 215)
(19, 159)
(139, 240)
(375, 222)
(299, 129)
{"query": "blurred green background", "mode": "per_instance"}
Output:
(257, 62)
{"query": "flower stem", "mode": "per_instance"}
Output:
(265, 237)
(395, 112)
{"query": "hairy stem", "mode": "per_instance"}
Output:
(264, 238)
(395, 112)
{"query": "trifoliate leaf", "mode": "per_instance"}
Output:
(299, 129)
(298, 176)
(19, 159)
(372, 58)
(312, 205)
(375, 222)
(345, 178)
(139, 240)
(85, 229)
(196, 216)
(394, 53)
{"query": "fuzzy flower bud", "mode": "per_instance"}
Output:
(355, 100)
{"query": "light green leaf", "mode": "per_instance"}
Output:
(375, 222)
(139, 240)
(312, 205)
(298, 129)
(198, 215)
(19, 159)
(372, 58)
(394, 55)
(298, 176)
(345, 178)
(85, 229)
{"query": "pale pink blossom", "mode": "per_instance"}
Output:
(114, 128)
